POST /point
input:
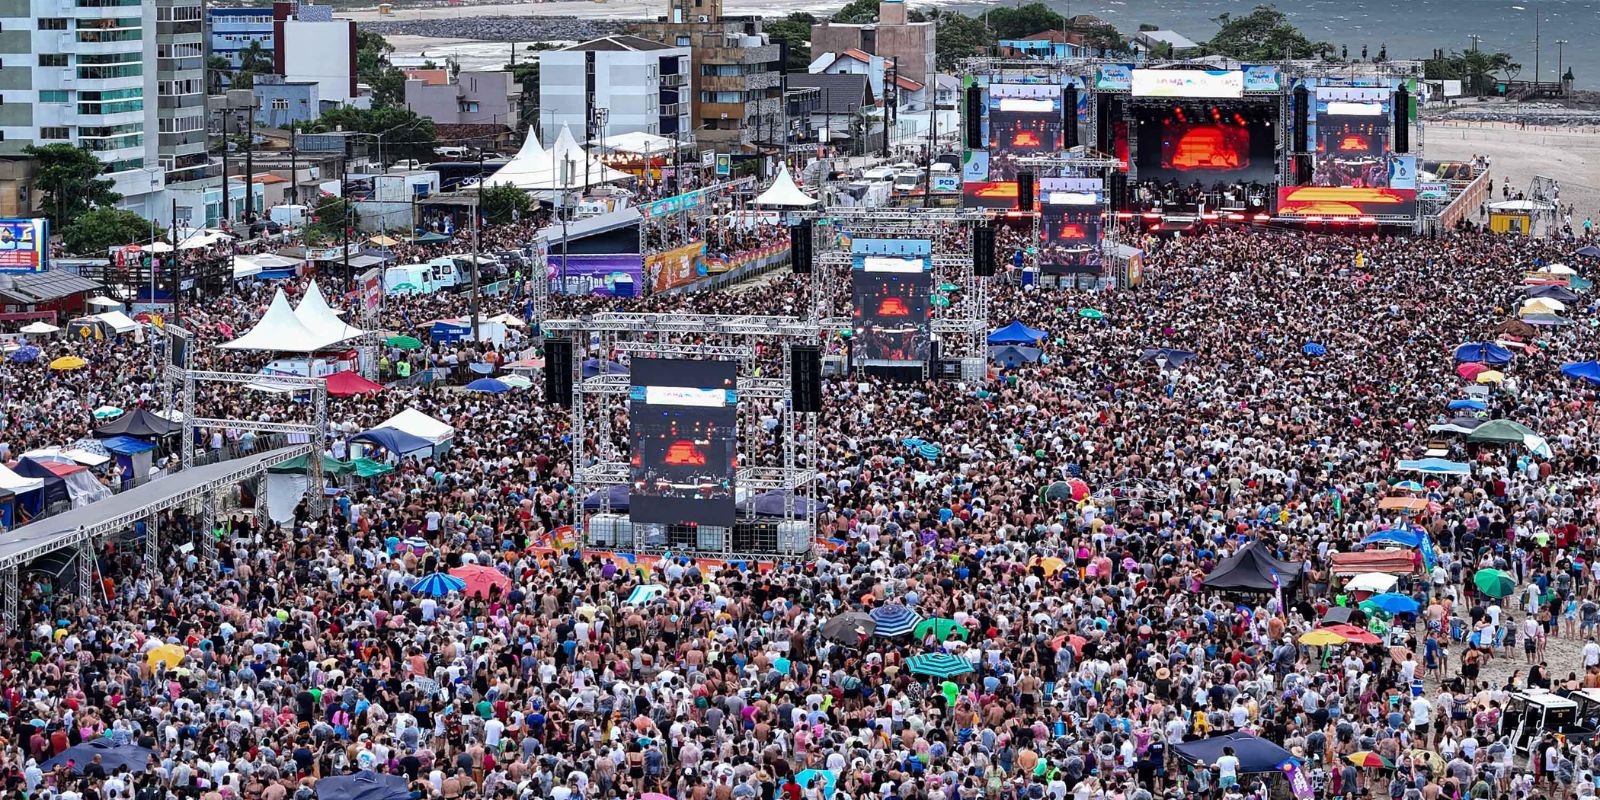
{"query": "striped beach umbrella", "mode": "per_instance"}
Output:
(438, 584)
(895, 619)
(938, 665)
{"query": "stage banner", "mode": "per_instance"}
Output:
(370, 285)
(1262, 78)
(1114, 77)
(676, 267)
(24, 245)
(1222, 84)
(1346, 201)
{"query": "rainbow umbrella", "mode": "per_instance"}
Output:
(1369, 759)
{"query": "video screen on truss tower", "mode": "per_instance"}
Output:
(683, 423)
(1071, 213)
(1022, 121)
(892, 309)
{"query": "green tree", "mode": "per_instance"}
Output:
(329, 215)
(1022, 21)
(95, 231)
(253, 61)
(69, 178)
(857, 12)
(794, 29)
(1264, 34)
(403, 133)
(504, 204)
(217, 71)
(958, 36)
(373, 68)
(1102, 37)
(1478, 69)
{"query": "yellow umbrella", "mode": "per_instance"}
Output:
(68, 362)
(384, 241)
(1543, 305)
(1434, 761)
(1492, 376)
(169, 654)
(1051, 566)
(1321, 637)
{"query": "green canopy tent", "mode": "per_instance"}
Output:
(302, 465)
(1500, 431)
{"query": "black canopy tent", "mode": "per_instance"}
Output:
(1252, 570)
(138, 423)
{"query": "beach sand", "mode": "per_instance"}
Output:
(1571, 155)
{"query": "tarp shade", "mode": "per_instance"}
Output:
(128, 445)
(347, 383)
(139, 423)
(1251, 570)
(1255, 754)
(112, 757)
(1016, 333)
(417, 423)
(770, 504)
(395, 441)
(363, 786)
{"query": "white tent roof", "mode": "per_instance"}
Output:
(245, 266)
(544, 172)
(102, 300)
(417, 423)
(39, 327)
(320, 319)
(784, 192)
(17, 483)
(639, 142)
(280, 330)
(119, 322)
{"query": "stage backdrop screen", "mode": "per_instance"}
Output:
(1071, 214)
(892, 286)
(1023, 121)
(1209, 144)
(683, 421)
(1351, 137)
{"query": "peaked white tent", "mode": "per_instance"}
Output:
(319, 318)
(530, 159)
(16, 483)
(638, 143)
(419, 424)
(280, 330)
(784, 192)
(566, 165)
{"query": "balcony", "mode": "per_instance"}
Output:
(674, 80)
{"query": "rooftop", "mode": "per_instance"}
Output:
(619, 43)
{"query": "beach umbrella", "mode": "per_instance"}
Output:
(404, 342)
(654, 796)
(1051, 565)
(107, 412)
(938, 665)
(169, 654)
(418, 545)
(1091, 313)
(929, 451)
(1371, 582)
(489, 385)
(894, 619)
(1586, 371)
(480, 579)
(1409, 486)
(1321, 637)
(822, 777)
(1353, 634)
(1490, 376)
(26, 354)
(1369, 759)
(517, 381)
(1494, 582)
(65, 363)
(1432, 760)
(1174, 357)
(1500, 431)
(438, 584)
(1391, 602)
(942, 628)
(1080, 490)
(645, 593)
(1468, 403)
(849, 628)
(940, 300)
(1471, 370)
(1059, 490)
(1314, 349)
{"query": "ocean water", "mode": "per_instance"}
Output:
(1410, 28)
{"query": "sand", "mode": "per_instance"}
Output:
(1569, 154)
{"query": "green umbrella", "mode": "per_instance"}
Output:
(940, 300)
(938, 665)
(1500, 431)
(1091, 313)
(107, 412)
(1495, 582)
(941, 628)
(404, 342)
(948, 287)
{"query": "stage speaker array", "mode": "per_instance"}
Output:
(1402, 120)
(805, 377)
(1302, 117)
(800, 253)
(1025, 190)
(1109, 113)
(1069, 116)
(558, 372)
(1119, 190)
(1302, 169)
(974, 119)
(983, 251)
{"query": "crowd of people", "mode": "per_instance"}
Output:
(1086, 645)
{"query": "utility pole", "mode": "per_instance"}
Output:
(929, 92)
(177, 266)
(250, 167)
(1561, 73)
(294, 167)
(344, 200)
(1538, 77)
(477, 244)
(227, 210)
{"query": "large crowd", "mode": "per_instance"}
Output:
(1089, 644)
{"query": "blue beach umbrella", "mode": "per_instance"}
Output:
(1314, 349)
(489, 385)
(938, 665)
(1392, 603)
(438, 584)
(895, 619)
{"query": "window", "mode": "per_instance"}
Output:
(52, 96)
(54, 133)
(469, 107)
(280, 104)
(52, 59)
(683, 41)
(53, 24)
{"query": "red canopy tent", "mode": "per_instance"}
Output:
(347, 383)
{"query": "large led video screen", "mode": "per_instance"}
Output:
(683, 425)
(890, 318)
(1346, 201)
(1351, 138)
(1022, 121)
(1071, 214)
(1209, 144)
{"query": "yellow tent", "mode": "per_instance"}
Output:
(1492, 376)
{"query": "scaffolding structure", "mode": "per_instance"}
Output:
(782, 457)
(1081, 164)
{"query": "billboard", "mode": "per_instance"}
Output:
(683, 428)
(24, 245)
(1071, 216)
(1022, 121)
(679, 266)
(1346, 201)
(892, 287)
(1221, 84)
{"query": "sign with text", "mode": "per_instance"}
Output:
(1188, 83)
(670, 269)
(24, 245)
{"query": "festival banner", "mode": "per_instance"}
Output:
(673, 268)
(24, 245)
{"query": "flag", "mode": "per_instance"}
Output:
(1429, 558)
(1277, 588)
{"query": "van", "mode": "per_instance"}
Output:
(289, 216)
(447, 271)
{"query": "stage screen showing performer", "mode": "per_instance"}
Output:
(1200, 143)
(1022, 121)
(683, 420)
(1070, 219)
(891, 310)
(1352, 140)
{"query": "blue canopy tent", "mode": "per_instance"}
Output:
(1012, 356)
(1464, 403)
(593, 367)
(1016, 333)
(1588, 250)
(112, 757)
(1174, 356)
(770, 504)
(1560, 293)
(489, 385)
(1405, 537)
(1483, 353)
(1435, 466)
(1586, 371)
(616, 498)
(131, 454)
(1255, 754)
(363, 786)
(394, 440)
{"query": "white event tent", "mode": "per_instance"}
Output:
(319, 318)
(282, 331)
(784, 192)
(421, 425)
(565, 166)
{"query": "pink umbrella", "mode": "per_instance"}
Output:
(480, 579)
(1079, 489)
(1471, 371)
